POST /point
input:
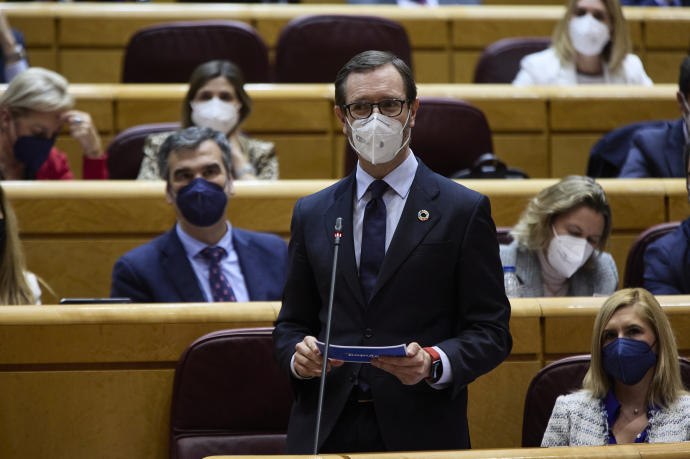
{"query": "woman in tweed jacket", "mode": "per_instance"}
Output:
(632, 339)
(220, 81)
(572, 212)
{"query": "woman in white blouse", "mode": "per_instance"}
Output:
(591, 45)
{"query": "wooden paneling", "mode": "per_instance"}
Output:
(547, 131)
(431, 66)
(460, 32)
(571, 153)
(43, 57)
(664, 66)
(78, 379)
(91, 65)
(108, 218)
(464, 64)
(496, 422)
(480, 27)
(303, 157)
(529, 153)
(69, 414)
(677, 192)
(571, 112)
(85, 377)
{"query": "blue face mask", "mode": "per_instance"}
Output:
(201, 202)
(33, 151)
(627, 360)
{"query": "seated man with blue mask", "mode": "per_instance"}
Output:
(203, 258)
(658, 151)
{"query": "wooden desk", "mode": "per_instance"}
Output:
(547, 131)
(86, 42)
(78, 379)
(92, 223)
(629, 451)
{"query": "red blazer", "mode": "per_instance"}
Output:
(56, 167)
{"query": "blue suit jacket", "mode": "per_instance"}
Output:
(159, 271)
(667, 263)
(440, 284)
(656, 152)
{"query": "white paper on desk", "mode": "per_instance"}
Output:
(361, 353)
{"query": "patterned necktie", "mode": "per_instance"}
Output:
(220, 287)
(373, 238)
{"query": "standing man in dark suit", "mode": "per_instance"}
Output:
(658, 151)
(203, 258)
(419, 265)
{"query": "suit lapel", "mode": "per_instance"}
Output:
(673, 150)
(249, 264)
(179, 271)
(342, 207)
(411, 230)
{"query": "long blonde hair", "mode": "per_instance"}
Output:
(613, 53)
(666, 385)
(14, 289)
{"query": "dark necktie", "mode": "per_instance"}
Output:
(220, 287)
(373, 238)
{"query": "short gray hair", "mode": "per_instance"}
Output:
(190, 139)
(37, 89)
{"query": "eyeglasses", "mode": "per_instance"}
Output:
(388, 107)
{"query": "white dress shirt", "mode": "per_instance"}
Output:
(229, 266)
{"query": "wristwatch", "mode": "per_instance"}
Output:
(436, 365)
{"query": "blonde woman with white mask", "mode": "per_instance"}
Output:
(216, 99)
(558, 246)
(591, 45)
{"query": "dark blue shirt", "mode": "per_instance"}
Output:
(613, 410)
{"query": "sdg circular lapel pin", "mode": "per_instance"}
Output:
(423, 215)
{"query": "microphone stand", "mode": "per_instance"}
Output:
(336, 244)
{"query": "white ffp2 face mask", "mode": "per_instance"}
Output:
(379, 138)
(588, 35)
(566, 254)
(215, 114)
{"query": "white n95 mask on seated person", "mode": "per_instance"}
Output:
(566, 254)
(215, 114)
(379, 138)
(588, 35)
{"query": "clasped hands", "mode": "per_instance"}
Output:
(411, 369)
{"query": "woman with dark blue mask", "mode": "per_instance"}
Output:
(33, 111)
(632, 392)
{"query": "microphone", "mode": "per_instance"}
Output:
(327, 342)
